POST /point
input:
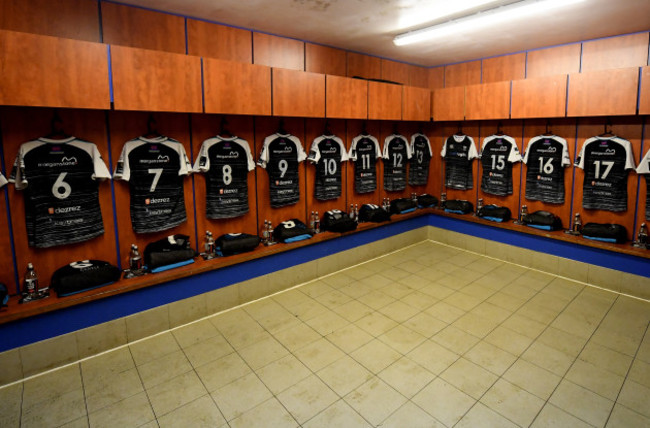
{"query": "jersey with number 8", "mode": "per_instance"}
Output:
(61, 192)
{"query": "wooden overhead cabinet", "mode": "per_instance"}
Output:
(53, 72)
(644, 102)
(449, 103)
(384, 101)
(155, 81)
(603, 93)
(487, 101)
(297, 93)
(539, 97)
(346, 98)
(416, 103)
(236, 88)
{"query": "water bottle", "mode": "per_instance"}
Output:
(30, 286)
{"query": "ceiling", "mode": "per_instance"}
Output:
(368, 26)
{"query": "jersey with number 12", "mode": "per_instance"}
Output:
(397, 153)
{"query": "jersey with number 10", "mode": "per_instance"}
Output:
(546, 158)
(154, 168)
(280, 156)
(421, 157)
(396, 154)
(327, 152)
(61, 192)
(498, 154)
(226, 163)
(365, 151)
(606, 162)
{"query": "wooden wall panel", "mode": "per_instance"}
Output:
(471, 129)
(23, 124)
(615, 52)
(418, 76)
(346, 98)
(7, 272)
(366, 66)
(206, 126)
(48, 71)
(325, 60)
(155, 81)
(72, 19)
(463, 74)
(125, 126)
(487, 101)
(565, 128)
(265, 126)
(437, 78)
(219, 41)
(236, 88)
(354, 129)
(603, 93)
(416, 103)
(436, 138)
(512, 128)
(384, 101)
(140, 28)
(449, 104)
(630, 129)
(297, 93)
(395, 71)
(506, 67)
(552, 61)
(278, 52)
(539, 97)
(644, 101)
(314, 128)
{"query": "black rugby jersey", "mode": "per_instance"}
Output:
(397, 153)
(365, 151)
(606, 162)
(3, 180)
(280, 156)
(458, 153)
(546, 157)
(61, 191)
(226, 163)
(497, 155)
(644, 168)
(327, 152)
(421, 156)
(154, 168)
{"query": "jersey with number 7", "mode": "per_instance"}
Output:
(61, 192)
(154, 168)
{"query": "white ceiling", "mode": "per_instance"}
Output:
(368, 26)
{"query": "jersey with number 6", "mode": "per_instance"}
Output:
(421, 157)
(365, 151)
(61, 191)
(397, 153)
(546, 157)
(644, 168)
(498, 154)
(154, 168)
(606, 162)
(281, 156)
(327, 152)
(226, 163)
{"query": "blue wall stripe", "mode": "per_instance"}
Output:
(112, 168)
(110, 73)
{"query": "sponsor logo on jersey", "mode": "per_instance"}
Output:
(227, 191)
(286, 149)
(500, 149)
(329, 151)
(150, 201)
(65, 161)
(283, 182)
(547, 150)
(64, 210)
(610, 151)
(231, 155)
(160, 159)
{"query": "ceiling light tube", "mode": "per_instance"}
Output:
(481, 19)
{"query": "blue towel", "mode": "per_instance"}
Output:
(172, 266)
(298, 238)
(497, 219)
(538, 226)
(593, 238)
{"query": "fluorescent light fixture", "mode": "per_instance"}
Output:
(481, 19)
(417, 13)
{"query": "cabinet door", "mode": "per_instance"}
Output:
(603, 93)
(644, 102)
(296, 93)
(416, 104)
(236, 88)
(53, 72)
(449, 103)
(155, 81)
(384, 101)
(487, 101)
(539, 97)
(346, 98)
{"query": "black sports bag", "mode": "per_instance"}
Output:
(169, 251)
(458, 206)
(291, 231)
(605, 232)
(236, 243)
(427, 201)
(543, 220)
(402, 206)
(83, 275)
(337, 221)
(4, 295)
(373, 213)
(495, 213)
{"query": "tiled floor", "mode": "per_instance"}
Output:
(429, 336)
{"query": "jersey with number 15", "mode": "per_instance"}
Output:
(154, 168)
